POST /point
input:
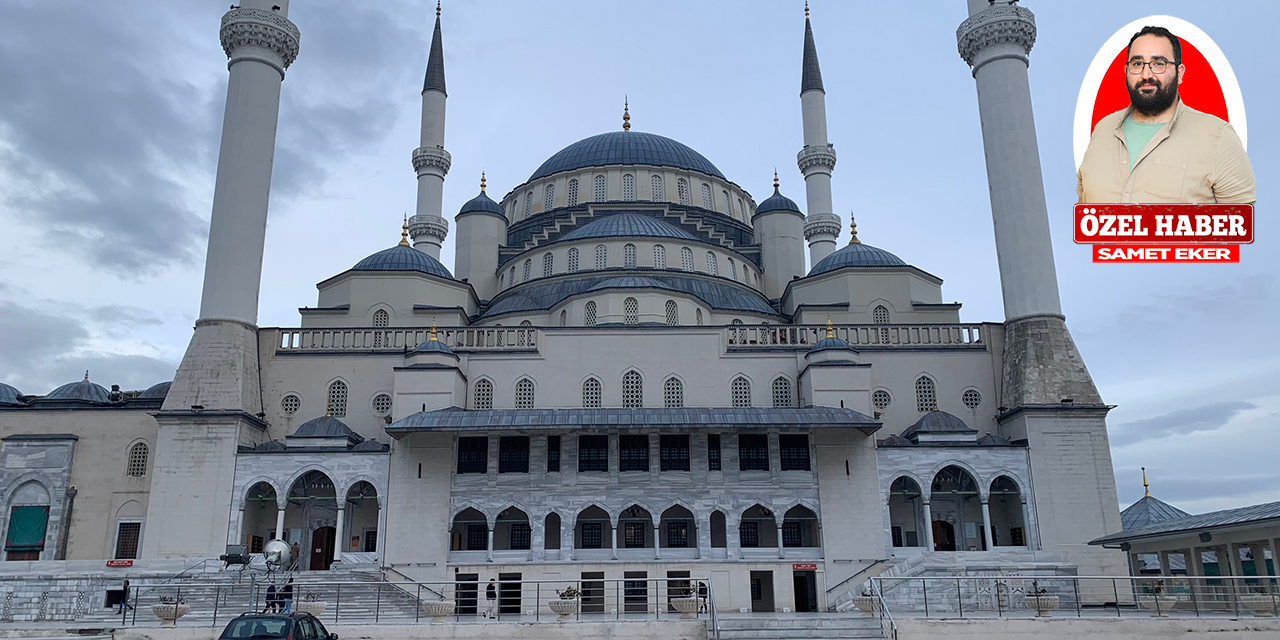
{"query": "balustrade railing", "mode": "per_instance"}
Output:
(858, 335)
(401, 338)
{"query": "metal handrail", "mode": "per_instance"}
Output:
(846, 580)
(883, 609)
(711, 610)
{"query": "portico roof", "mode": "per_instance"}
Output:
(456, 419)
(1258, 514)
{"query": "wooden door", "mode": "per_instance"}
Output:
(322, 546)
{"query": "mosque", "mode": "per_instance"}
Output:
(629, 372)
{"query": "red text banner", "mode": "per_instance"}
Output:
(1166, 253)
(1163, 223)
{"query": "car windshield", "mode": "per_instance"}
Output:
(256, 628)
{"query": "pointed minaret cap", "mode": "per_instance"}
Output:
(626, 114)
(435, 60)
(481, 182)
(811, 75)
(853, 231)
(1146, 488)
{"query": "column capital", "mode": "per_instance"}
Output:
(245, 29)
(997, 25)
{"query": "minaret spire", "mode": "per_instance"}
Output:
(818, 158)
(431, 162)
(626, 114)
(811, 76)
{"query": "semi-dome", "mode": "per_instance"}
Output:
(325, 427)
(629, 282)
(271, 446)
(403, 257)
(628, 225)
(626, 147)
(481, 203)
(156, 391)
(938, 422)
(777, 202)
(10, 395)
(857, 255)
(83, 390)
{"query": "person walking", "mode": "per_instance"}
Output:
(271, 599)
(702, 597)
(124, 598)
(286, 594)
(296, 552)
(491, 599)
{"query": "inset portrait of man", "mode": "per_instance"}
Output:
(1159, 150)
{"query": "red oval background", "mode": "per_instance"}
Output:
(1200, 90)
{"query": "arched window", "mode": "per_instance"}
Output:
(712, 266)
(782, 396)
(673, 313)
(706, 196)
(740, 392)
(524, 394)
(381, 405)
(632, 390)
(736, 321)
(673, 393)
(630, 311)
(338, 398)
(655, 184)
(686, 259)
(564, 317)
(573, 260)
(659, 257)
(600, 188)
(697, 317)
(380, 318)
(482, 395)
(573, 192)
(138, 455)
(682, 190)
(290, 403)
(602, 256)
(628, 187)
(733, 269)
(880, 315)
(549, 197)
(528, 204)
(971, 398)
(728, 207)
(629, 256)
(528, 269)
(591, 394)
(926, 394)
(742, 209)
(515, 207)
(526, 323)
(548, 264)
(881, 399)
(512, 276)
(589, 315)
(502, 280)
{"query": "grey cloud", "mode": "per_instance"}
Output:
(1183, 421)
(29, 338)
(117, 314)
(1174, 486)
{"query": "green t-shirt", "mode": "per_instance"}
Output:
(1136, 137)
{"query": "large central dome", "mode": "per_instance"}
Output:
(625, 147)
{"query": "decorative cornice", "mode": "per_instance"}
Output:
(428, 225)
(822, 224)
(259, 29)
(424, 158)
(995, 26)
(815, 156)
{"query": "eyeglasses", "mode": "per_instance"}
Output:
(1157, 66)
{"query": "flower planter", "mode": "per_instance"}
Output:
(1158, 605)
(439, 609)
(565, 608)
(1041, 604)
(688, 607)
(313, 607)
(1262, 606)
(169, 613)
(866, 604)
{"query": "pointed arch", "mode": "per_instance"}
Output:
(740, 391)
(632, 389)
(338, 392)
(783, 394)
(592, 392)
(926, 393)
(673, 392)
(524, 390)
(482, 394)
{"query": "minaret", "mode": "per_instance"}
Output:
(1047, 397)
(482, 229)
(779, 228)
(818, 157)
(428, 225)
(215, 401)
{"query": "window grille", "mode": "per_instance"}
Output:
(686, 259)
(673, 393)
(733, 270)
(513, 454)
(564, 317)
(633, 453)
(338, 399)
(713, 452)
(736, 321)
(629, 256)
(881, 398)
(382, 404)
(632, 390)
(673, 452)
(655, 183)
(728, 206)
(573, 260)
(553, 454)
(573, 192)
(512, 278)
(528, 204)
(926, 394)
(380, 318)
(633, 538)
(549, 197)
(673, 313)
(742, 209)
(630, 311)
(682, 190)
(128, 534)
(528, 269)
(880, 315)
(659, 257)
(526, 323)
(741, 392)
(515, 207)
(678, 534)
(791, 534)
(482, 395)
(524, 394)
(593, 453)
(548, 264)
(602, 256)
(793, 451)
(971, 398)
(592, 535)
(706, 196)
(782, 396)
(473, 455)
(749, 537)
(290, 404)
(753, 452)
(600, 188)
(138, 455)
(712, 266)
(477, 537)
(697, 316)
(591, 394)
(521, 536)
(589, 315)
(628, 187)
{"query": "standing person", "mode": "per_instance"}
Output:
(286, 594)
(271, 599)
(124, 598)
(702, 597)
(296, 552)
(491, 599)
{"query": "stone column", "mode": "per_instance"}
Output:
(781, 552)
(279, 520)
(657, 541)
(732, 538)
(339, 532)
(986, 526)
(489, 549)
(928, 526)
(237, 533)
(888, 529)
(613, 538)
(381, 544)
(1033, 542)
(1164, 564)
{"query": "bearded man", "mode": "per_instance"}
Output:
(1159, 150)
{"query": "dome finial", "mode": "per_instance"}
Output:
(775, 178)
(1146, 488)
(806, 9)
(830, 332)
(432, 337)
(328, 409)
(438, 8)
(482, 181)
(86, 375)
(853, 231)
(404, 232)
(626, 114)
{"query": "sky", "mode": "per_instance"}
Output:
(110, 119)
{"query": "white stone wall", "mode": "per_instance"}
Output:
(898, 289)
(397, 293)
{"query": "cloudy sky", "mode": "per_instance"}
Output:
(110, 116)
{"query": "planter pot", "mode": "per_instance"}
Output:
(866, 604)
(1262, 606)
(1041, 604)
(169, 613)
(565, 608)
(1158, 605)
(688, 607)
(313, 607)
(439, 609)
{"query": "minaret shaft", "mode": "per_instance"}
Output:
(428, 225)
(818, 158)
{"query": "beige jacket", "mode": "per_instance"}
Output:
(1196, 158)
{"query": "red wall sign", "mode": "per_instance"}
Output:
(119, 563)
(804, 567)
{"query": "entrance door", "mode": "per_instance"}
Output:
(468, 588)
(806, 586)
(944, 536)
(762, 591)
(322, 543)
(509, 592)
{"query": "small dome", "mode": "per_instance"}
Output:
(157, 391)
(628, 225)
(895, 440)
(629, 282)
(992, 440)
(937, 422)
(831, 343)
(325, 427)
(434, 346)
(271, 445)
(777, 202)
(10, 395)
(483, 203)
(371, 445)
(83, 390)
(403, 258)
(626, 147)
(857, 255)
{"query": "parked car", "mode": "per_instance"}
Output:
(265, 626)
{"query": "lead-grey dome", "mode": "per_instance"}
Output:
(482, 203)
(937, 422)
(777, 202)
(857, 255)
(403, 257)
(83, 390)
(434, 346)
(157, 391)
(626, 147)
(10, 395)
(325, 427)
(628, 225)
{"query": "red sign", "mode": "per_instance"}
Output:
(119, 563)
(1166, 253)
(804, 567)
(1163, 223)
